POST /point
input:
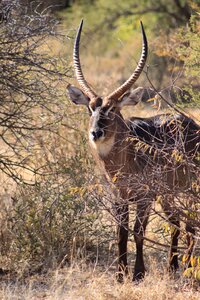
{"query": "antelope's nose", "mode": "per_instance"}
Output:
(96, 134)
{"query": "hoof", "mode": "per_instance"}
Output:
(120, 277)
(173, 268)
(138, 277)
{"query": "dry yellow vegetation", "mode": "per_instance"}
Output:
(81, 282)
(23, 214)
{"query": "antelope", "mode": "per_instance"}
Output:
(117, 145)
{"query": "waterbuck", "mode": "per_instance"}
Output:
(141, 157)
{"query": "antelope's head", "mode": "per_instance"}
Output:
(105, 112)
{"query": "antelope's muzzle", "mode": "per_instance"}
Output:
(96, 134)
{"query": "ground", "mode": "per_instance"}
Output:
(83, 282)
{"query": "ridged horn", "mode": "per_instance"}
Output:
(132, 79)
(77, 66)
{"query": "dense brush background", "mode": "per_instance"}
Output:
(57, 233)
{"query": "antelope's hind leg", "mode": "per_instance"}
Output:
(175, 232)
(190, 243)
(174, 221)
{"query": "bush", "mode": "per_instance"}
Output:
(30, 85)
(54, 222)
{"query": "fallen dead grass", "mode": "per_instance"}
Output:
(82, 282)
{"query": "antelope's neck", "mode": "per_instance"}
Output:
(112, 154)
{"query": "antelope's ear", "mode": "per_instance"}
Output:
(77, 96)
(131, 98)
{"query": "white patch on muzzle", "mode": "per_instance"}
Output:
(103, 147)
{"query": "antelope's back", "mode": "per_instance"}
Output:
(168, 133)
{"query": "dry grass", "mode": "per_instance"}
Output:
(83, 283)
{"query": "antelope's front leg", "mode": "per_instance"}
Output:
(122, 237)
(142, 215)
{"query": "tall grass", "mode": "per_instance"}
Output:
(83, 282)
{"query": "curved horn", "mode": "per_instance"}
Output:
(128, 83)
(77, 66)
